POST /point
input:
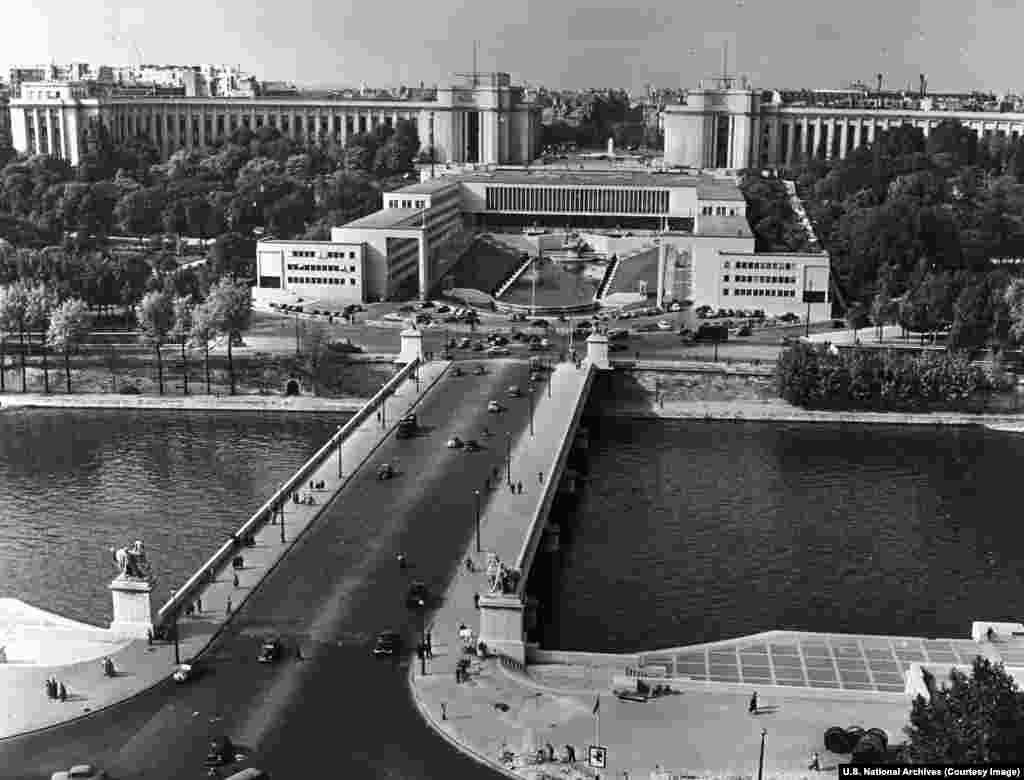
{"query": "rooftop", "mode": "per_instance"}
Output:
(723, 226)
(389, 218)
(429, 187)
(606, 178)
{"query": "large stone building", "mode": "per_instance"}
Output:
(405, 249)
(483, 119)
(732, 126)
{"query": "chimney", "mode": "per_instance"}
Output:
(879, 78)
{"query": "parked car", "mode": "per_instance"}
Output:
(418, 595)
(494, 406)
(515, 392)
(388, 643)
(80, 772)
(270, 651)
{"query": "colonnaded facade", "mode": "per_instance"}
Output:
(482, 119)
(736, 128)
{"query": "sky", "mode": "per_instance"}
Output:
(557, 43)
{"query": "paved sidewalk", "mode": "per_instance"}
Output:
(25, 707)
(212, 403)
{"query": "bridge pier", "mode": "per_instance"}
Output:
(597, 351)
(412, 346)
(133, 611)
(502, 624)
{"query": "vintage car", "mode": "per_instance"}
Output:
(472, 445)
(494, 406)
(479, 371)
(189, 670)
(385, 471)
(515, 392)
(454, 443)
(270, 651)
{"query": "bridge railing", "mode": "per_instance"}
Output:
(185, 593)
(535, 528)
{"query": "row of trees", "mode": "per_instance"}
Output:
(163, 319)
(863, 378)
(246, 180)
(912, 223)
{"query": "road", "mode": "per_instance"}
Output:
(339, 711)
(275, 333)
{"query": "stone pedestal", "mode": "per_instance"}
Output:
(133, 612)
(412, 346)
(502, 626)
(597, 351)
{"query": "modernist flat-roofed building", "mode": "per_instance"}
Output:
(405, 245)
(732, 127)
(480, 120)
(312, 269)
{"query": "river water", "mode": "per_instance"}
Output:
(74, 483)
(698, 531)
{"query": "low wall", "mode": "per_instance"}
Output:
(184, 594)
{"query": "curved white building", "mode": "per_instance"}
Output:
(481, 120)
(737, 128)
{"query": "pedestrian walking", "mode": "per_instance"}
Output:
(512, 487)
(199, 604)
(149, 636)
(815, 765)
(752, 709)
(458, 674)
(476, 601)
(227, 609)
(540, 477)
(551, 751)
(298, 652)
(519, 488)
(51, 689)
(469, 564)
(62, 692)
(235, 580)
(401, 560)
(570, 753)
(444, 711)
(430, 648)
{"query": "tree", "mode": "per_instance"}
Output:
(883, 308)
(69, 324)
(182, 330)
(156, 317)
(230, 305)
(39, 304)
(13, 310)
(204, 330)
(974, 720)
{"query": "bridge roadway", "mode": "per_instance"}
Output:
(339, 711)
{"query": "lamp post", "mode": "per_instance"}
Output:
(340, 442)
(282, 522)
(423, 638)
(177, 648)
(508, 458)
(298, 350)
(529, 389)
(760, 763)
(476, 495)
(807, 325)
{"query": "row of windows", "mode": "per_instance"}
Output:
(393, 203)
(718, 211)
(761, 266)
(577, 199)
(763, 279)
(754, 293)
(341, 255)
(336, 268)
(317, 280)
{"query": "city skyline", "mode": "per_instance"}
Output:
(553, 44)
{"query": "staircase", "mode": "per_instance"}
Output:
(609, 276)
(503, 288)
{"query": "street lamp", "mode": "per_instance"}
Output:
(760, 763)
(508, 458)
(340, 442)
(177, 648)
(298, 351)
(423, 638)
(529, 389)
(282, 522)
(476, 494)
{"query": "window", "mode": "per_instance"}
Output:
(352, 282)
(352, 268)
(352, 256)
(726, 264)
(725, 291)
(419, 204)
(725, 278)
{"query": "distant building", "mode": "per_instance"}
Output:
(486, 121)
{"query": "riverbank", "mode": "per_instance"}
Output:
(210, 403)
